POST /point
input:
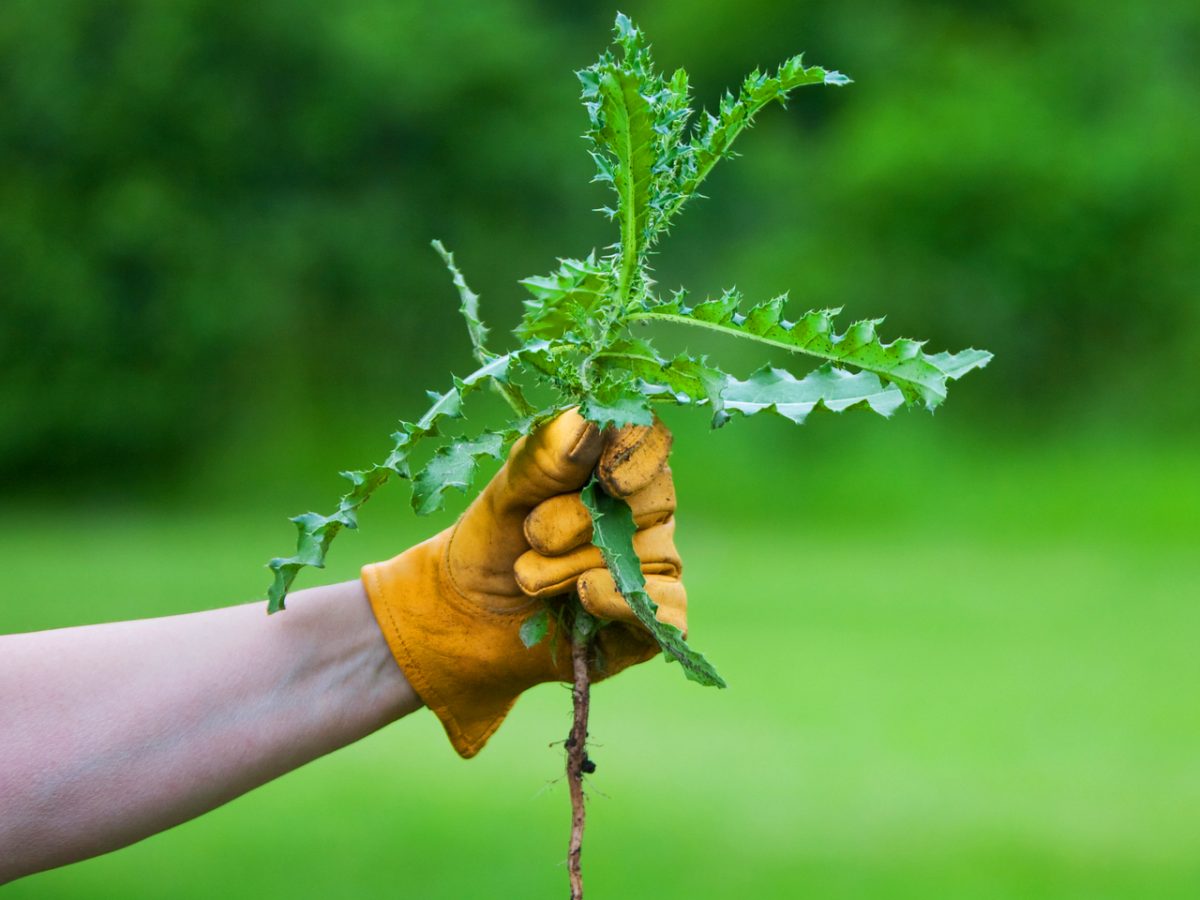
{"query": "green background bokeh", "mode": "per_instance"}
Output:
(961, 648)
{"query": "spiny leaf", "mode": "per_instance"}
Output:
(612, 531)
(713, 135)
(900, 362)
(624, 142)
(564, 300)
(470, 305)
(628, 133)
(453, 466)
(616, 405)
(478, 333)
(778, 391)
(956, 365)
(315, 532)
(686, 379)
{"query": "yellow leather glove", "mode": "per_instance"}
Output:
(451, 608)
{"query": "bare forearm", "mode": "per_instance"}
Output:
(111, 733)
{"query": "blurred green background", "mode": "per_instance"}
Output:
(962, 648)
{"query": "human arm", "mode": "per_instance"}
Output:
(111, 733)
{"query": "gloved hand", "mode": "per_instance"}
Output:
(451, 608)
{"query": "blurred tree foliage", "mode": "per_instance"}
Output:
(216, 214)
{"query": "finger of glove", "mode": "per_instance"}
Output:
(562, 523)
(557, 458)
(632, 457)
(546, 576)
(599, 595)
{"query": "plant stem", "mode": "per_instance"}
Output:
(577, 759)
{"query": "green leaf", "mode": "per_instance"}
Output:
(534, 629)
(628, 133)
(713, 135)
(453, 466)
(565, 300)
(686, 379)
(478, 333)
(956, 365)
(625, 146)
(616, 408)
(612, 531)
(775, 390)
(900, 362)
(469, 307)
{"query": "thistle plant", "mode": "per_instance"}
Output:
(580, 344)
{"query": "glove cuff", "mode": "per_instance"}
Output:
(466, 663)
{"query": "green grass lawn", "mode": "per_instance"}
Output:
(987, 691)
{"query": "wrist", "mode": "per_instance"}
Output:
(346, 652)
